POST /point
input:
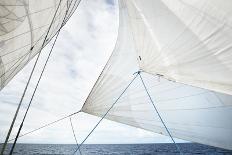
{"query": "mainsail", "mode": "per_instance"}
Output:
(23, 27)
(183, 47)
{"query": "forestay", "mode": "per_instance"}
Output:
(157, 37)
(23, 27)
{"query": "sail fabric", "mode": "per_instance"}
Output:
(188, 41)
(190, 113)
(118, 71)
(23, 27)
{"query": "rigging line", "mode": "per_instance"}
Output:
(15, 140)
(28, 107)
(25, 89)
(177, 147)
(75, 6)
(106, 113)
(32, 97)
(19, 105)
(46, 125)
(70, 119)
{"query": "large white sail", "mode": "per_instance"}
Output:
(188, 41)
(23, 27)
(190, 113)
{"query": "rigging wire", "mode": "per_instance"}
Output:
(25, 89)
(19, 105)
(46, 125)
(28, 107)
(106, 113)
(74, 135)
(177, 147)
(58, 32)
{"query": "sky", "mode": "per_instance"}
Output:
(81, 51)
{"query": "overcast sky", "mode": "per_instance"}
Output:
(81, 52)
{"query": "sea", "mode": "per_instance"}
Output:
(117, 149)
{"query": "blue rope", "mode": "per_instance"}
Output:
(25, 90)
(32, 97)
(106, 113)
(46, 125)
(70, 119)
(177, 147)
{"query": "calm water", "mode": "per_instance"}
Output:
(119, 149)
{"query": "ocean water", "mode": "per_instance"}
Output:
(118, 149)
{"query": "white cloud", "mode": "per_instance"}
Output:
(81, 52)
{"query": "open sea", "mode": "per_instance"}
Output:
(118, 149)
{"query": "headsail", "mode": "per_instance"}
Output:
(191, 113)
(23, 27)
(185, 41)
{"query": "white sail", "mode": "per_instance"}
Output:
(188, 41)
(190, 113)
(23, 27)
